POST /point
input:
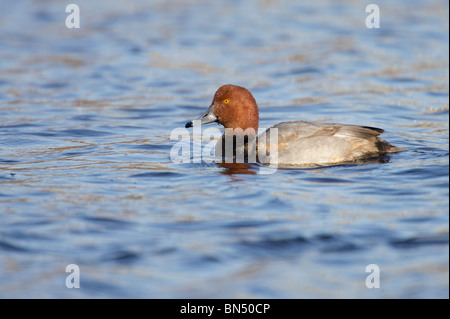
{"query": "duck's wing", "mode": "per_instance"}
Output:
(317, 142)
(302, 129)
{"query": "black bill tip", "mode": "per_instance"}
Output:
(188, 124)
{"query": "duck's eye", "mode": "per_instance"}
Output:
(226, 101)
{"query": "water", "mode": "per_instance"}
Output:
(86, 177)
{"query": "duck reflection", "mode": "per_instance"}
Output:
(236, 168)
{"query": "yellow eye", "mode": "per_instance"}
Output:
(226, 101)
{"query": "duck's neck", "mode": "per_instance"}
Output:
(238, 144)
(239, 131)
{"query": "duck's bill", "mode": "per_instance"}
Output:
(205, 118)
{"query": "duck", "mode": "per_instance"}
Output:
(290, 143)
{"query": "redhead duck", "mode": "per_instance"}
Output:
(304, 143)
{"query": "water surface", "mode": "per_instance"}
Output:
(86, 177)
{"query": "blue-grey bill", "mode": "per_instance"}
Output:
(205, 118)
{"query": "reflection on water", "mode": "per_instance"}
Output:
(85, 170)
(236, 168)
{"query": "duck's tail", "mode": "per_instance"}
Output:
(385, 147)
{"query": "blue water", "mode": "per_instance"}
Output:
(86, 176)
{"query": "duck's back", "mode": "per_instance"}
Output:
(317, 143)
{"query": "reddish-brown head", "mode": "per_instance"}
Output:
(234, 107)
